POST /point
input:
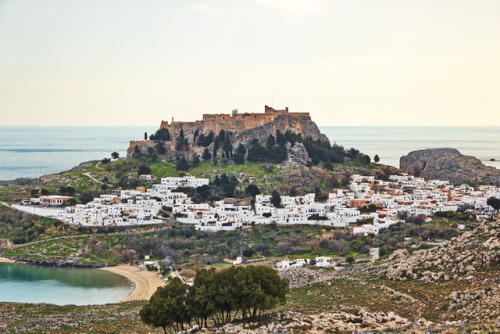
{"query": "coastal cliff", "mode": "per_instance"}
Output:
(450, 165)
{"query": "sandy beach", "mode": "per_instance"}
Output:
(145, 282)
(6, 260)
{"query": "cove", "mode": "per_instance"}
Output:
(36, 284)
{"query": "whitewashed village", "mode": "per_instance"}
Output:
(400, 194)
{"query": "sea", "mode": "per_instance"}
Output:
(24, 283)
(35, 151)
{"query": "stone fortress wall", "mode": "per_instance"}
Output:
(236, 122)
(242, 124)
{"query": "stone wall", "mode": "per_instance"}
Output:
(231, 122)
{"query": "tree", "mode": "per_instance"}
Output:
(67, 191)
(168, 307)
(181, 143)
(196, 159)
(161, 134)
(206, 155)
(70, 202)
(86, 197)
(137, 151)
(115, 155)
(252, 190)
(271, 141)
(350, 260)
(275, 199)
(143, 169)
(376, 158)
(182, 164)
(249, 252)
(239, 156)
(227, 148)
(494, 203)
(160, 147)
(145, 136)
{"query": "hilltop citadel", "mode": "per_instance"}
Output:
(235, 122)
(245, 127)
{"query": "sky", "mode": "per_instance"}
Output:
(348, 63)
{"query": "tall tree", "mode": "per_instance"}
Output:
(376, 158)
(160, 147)
(206, 155)
(275, 199)
(494, 203)
(271, 141)
(239, 156)
(143, 169)
(182, 164)
(252, 190)
(115, 155)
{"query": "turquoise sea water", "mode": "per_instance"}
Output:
(36, 151)
(61, 286)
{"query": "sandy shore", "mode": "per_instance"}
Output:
(4, 259)
(145, 282)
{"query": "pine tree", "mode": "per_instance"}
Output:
(276, 199)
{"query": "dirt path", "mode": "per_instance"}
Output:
(145, 282)
(93, 178)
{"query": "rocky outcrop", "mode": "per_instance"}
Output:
(482, 303)
(450, 165)
(464, 256)
(301, 125)
(305, 276)
(297, 154)
(295, 123)
(355, 320)
(470, 259)
(5, 243)
(56, 263)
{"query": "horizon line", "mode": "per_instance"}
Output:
(340, 126)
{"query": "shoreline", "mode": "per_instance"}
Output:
(6, 260)
(144, 283)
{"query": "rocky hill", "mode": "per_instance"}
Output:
(450, 165)
(472, 259)
(188, 138)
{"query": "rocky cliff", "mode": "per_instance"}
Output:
(450, 165)
(297, 124)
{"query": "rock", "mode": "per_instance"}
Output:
(450, 165)
(5, 243)
(305, 276)
(464, 255)
(297, 154)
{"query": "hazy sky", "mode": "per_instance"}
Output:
(351, 62)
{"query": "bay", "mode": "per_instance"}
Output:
(36, 284)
